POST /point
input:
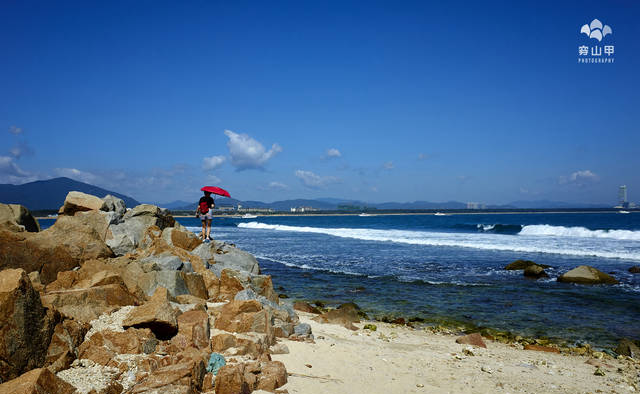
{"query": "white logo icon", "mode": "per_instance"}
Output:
(596, 30)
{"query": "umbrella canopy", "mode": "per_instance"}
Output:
(216, 190)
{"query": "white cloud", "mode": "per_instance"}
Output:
(213, 162)
(212, 180)
(8, 167)
(388, 165)
(333, 152)
(15, 130)
(247, 153)
(76, 174)
(314, 181)
(278, 186)
(579, 178)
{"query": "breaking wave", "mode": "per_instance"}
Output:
(579, 232)
(532, 241)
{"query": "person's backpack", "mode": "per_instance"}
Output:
(204, 207)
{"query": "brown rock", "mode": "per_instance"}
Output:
(156, 314)
(18, 217)
(539, 348)
(183, 376)
(194, 325)
(252, 344)
(78, 202)
(195, 285)
(37, 381)
(87, 304)
(62, 247)
(243, 316)
(474, 339)
(181, 238)
(586, 275)
(231, 380)
(535, 271)
(628, 348)
(522, 264)
(67, 336)
(26, 329)
(305, 307)
(247, 377)
(104, 345)
(635, 269)
(229, 286)
(344, 316)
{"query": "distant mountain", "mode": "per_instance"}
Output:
(541, 204)
(329, 204)
(50, 194)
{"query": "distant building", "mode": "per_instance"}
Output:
(303, 209)
(476, 205)
(622, 197)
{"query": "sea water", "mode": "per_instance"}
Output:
(444, 268)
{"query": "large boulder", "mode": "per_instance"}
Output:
(62, 247)
(587, 275)
(344, 316)
(244, 378)
(223, 255)
(84, 295)
(126, 236)
(626, 347)
(26, 329)
(243, 316)
(37, 381)
(522, 264)
(79, 202)
(103, 346)
(63, 348)
(157, 314)
(535, 271)
(18, 217)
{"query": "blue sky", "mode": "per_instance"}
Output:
(377, 101)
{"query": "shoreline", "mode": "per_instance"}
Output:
(395, 359)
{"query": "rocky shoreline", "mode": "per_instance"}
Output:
(113, 300)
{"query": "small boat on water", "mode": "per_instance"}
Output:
(364, 214)
(440, 214)
(623, 211)
(248, 216)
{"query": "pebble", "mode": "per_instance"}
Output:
(599, 372)
(419, 385)
(486, 369)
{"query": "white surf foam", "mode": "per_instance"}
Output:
(579, 232)
(589, 246)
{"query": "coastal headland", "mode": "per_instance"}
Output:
(112, 300)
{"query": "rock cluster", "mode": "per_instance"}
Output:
(114, 300)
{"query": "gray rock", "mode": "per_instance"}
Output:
(187, 267)
(164, 262)
(279, 348)
(173, 281)
(229, 257)
(302, 329)
(114, 204)
(246, 295)
(127, 235)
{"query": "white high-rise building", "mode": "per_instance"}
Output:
(622, 196)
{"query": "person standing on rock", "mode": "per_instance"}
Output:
(205, 211)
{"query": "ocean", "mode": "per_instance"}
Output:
(448, 269)
(451, 268)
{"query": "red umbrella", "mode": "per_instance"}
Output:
(216, 190)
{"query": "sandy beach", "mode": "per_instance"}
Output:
(399, 359)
